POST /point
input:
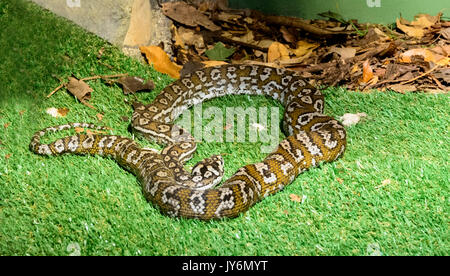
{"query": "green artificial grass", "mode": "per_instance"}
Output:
(388, 195)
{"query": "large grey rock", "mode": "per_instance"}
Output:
(125, 23)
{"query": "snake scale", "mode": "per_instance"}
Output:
(312, 138)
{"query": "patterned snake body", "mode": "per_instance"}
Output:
(312, 137)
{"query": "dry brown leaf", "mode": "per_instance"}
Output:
(413, 31)
(304, 48)
(403, 88)
(187, 15)
(6, 125)
(445, 33)
(426, 54)
(419, 26)
(367, 72)
(277, 51)
(227, 17)
(287, 35)
(425, 20)
(343, 52)
(178, 41)
(57, 112)
(63, 111)
(443, 74)
(295, 198)
(79, 89)
(99, 116)
(160, 61)
(132, 84)
(189, 37)
(249, 38)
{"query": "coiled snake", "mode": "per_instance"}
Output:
(312, 137)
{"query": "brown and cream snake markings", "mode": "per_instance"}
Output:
(312, 137)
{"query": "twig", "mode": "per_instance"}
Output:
(421, 75)
(56, 89)
(104, 77)
(83, 79)
(215, 35)
(87, 104)
(301, 24)
(439, 84)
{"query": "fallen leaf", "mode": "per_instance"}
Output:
(187, 15)
(227, 17)
(425, 20)
(367, 72)
(287, 35)
(79, 89)
(99, 116)
(295, 198)
(249, 38)
(6, 125)
(445, 33)
(416, 32)
(219, 52)
(426, 54)
(418, 27)
(405, 26)
(304, 48)
(53, 112)
(402, 88)
(134, 84)
(7, 156)
(349, 119)
(63, 111)
(160, 61)
(340, 180)
(277, 51)
(355, 68)
(57, 112)
(178, 41)
(344, 52)
(190, 37)
(443, 74)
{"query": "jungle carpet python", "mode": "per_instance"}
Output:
(312, 137)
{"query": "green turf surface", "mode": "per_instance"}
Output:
(388, 195)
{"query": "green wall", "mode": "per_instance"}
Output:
(374, 11)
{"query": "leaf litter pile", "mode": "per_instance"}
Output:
(405, 56)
